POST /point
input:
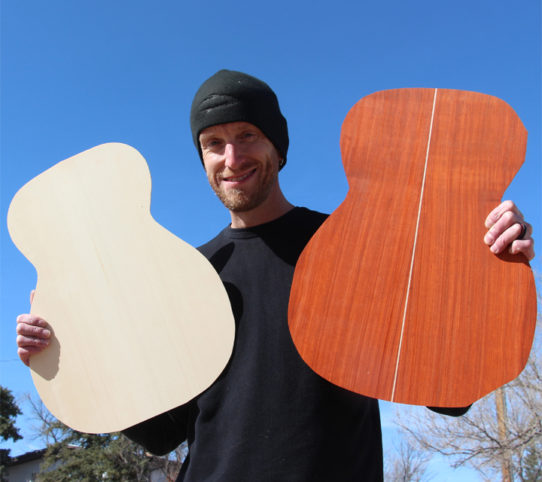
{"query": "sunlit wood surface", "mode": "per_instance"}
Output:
(396, 296)
(141, 320)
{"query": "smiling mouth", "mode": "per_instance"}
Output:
(239, 178)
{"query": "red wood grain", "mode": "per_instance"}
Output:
(396, 296)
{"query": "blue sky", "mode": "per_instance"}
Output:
(78, 74)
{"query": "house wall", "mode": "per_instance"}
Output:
(24, 472)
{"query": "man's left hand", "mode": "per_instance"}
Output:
(507, 230)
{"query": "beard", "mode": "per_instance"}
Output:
(241, 200)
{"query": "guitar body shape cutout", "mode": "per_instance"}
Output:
(141, 321)
(396, 296)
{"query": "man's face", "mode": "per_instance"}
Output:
(241, 164)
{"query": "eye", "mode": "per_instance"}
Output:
(211, 143)
(248, 135)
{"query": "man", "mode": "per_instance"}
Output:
(268, 417)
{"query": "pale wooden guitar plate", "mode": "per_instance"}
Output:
(141, 321)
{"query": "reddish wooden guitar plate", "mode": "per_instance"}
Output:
(396, 296)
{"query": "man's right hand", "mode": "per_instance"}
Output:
(33, 335)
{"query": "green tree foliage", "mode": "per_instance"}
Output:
(72, 455)
(90, 457)
(8, 413)
(532, 467)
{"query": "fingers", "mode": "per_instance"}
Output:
(523, 246)
(33, 335)
(495, 215)
(507, 230)
(505, 226)
(27, 352)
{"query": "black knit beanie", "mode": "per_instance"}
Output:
(230, 96)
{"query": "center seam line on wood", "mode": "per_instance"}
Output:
(414, 248)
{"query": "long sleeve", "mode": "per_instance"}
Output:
(163, 433)
(451, 411)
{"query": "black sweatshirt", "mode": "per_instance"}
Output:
(268, 417)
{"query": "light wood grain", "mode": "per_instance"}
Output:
(141, 320)
(418, 312)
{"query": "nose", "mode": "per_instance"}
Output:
(233, 156)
